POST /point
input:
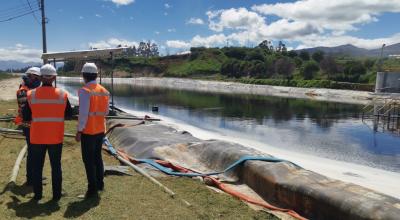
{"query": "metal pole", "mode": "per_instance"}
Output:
(112, 83)
(100, 74)
(380, 59)
(43, 29)
(55, 67)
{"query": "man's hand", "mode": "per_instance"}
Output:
(78, 136)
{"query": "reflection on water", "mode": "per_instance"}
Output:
(330, 130)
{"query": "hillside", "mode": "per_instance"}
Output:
(350, 50)
(13, 64)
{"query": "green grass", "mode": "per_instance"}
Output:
(125, 197)
(6, 76)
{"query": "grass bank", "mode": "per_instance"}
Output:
(125, 197)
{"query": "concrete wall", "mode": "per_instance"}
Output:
(387, 82)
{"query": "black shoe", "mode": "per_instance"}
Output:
(27, 184)
(56, 198)
(89, 195)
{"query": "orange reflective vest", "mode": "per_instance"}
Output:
(48, 110)
(21, 99)
(98, 108)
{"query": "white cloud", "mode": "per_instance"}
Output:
(167, 6)
(338, 15)
(20, 53)
(111, 43)
(98, 15)
(122, 2)
(239, 19)
(157, 32)
(171, 30)
(210, 41)
(198, 21)
(177, 44)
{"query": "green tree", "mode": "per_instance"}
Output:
(292, 54)
(285, 67)
(258, 69)
(304, 55)
(235, 52)
(330, 67)
(309, 70)
(353, 70)
(255, 54)
(318, 56)
(298, 62)
(369, 63)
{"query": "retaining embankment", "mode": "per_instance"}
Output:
(280, 183)
(332, 95)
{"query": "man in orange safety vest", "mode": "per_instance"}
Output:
(46, 109)
(93, 107)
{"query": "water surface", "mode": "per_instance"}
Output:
(323, 129)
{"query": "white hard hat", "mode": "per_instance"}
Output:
(34, 71)
(89, 68)
(48, 70)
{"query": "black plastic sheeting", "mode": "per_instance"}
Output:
(282, 184)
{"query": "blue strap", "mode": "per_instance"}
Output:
(170, 171)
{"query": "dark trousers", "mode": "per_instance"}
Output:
(29, 164)
(38, 156)
(91, 156)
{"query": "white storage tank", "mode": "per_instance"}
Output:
(387, 82)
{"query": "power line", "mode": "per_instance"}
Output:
(18, 16)
(14, 8)
(37, 21)
(18, 11)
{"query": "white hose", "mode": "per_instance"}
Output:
(17, 164)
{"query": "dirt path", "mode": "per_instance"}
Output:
(8, 88)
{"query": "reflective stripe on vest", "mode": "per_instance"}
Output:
(93, 93)
(60, 100)
(48, 120)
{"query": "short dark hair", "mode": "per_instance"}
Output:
(89, 76)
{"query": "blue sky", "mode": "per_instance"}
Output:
(176, 25)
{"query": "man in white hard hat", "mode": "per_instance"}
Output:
(47, 108)
(93, 107)
(31, 80)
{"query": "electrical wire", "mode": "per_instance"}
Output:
(34, 16)
(19, 11)
(18, 16)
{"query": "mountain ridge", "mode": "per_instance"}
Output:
(351, 50)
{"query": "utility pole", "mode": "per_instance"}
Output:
(381, 59)
(43, 29)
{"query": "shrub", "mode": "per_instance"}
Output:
(309, 69)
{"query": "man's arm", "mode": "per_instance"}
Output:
(68, 111)
(84, 104)
(26, 112)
